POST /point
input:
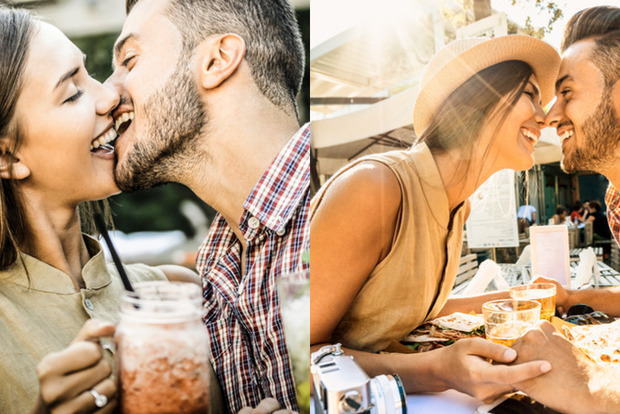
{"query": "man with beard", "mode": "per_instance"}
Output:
(209, 92)
(586, 117)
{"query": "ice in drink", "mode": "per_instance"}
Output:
(162, 351)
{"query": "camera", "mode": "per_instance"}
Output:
(341, 386)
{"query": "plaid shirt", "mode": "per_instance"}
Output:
(612, 199)
(248, 351)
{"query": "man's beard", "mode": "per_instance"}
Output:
(174, 118)
(600, 140)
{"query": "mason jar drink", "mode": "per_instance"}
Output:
(162, 348)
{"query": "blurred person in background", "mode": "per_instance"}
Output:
(560, 215)
(528, 213)
(387, 229)
(598, 220)
(208, 100)
(56, 289)
(576, 216)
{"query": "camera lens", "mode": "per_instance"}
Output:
(388, 394)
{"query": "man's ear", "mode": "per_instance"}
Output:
(221, 57)
(11, 167)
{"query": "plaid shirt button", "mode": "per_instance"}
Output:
(253, 223)
(248, 350)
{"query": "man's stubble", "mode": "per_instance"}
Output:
(174, 118)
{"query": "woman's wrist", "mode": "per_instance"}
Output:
(423, 372)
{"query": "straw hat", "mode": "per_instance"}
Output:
(461, 59)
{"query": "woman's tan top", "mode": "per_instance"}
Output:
(414, 280)
(41, 312)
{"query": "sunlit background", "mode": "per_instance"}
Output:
(168, 223)
(367, 58)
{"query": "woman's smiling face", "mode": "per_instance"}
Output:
(62, 113)
(511, 143)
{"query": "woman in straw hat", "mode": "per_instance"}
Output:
(56, 288)
(387, 229)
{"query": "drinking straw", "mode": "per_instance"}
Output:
(117, 261)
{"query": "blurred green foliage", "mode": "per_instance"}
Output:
(158, 209)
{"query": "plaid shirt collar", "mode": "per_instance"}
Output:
(279, 191)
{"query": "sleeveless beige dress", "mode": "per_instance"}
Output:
(413, 282)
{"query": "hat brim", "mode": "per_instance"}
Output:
(541, 57)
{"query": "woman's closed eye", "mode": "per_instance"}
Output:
(75, 97)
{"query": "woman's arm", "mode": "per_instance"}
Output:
(463, 366)
(467, 304)
(176, 273)
(352, 231)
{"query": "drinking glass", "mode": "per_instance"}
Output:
(162, 350)
(505, 320)
(544, 293)
(294, 297)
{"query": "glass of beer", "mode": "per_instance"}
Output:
(505, 320)
(544, 293)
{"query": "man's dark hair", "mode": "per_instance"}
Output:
(274, 50)
(601, 24)
(596, 204)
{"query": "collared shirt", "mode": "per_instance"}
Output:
(612, 199)
(243, 319)
(41, 312)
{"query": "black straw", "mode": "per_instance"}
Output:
(117, 261)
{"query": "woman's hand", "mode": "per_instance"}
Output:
(465, 367)
(67, 378)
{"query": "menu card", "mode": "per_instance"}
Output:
(493, 218)
(550, 253)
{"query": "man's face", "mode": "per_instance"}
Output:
(159, 92)
(584, 113)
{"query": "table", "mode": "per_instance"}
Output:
(451, 401)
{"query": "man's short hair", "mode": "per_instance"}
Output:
(601, 24)
(274, 50)
(596, 204)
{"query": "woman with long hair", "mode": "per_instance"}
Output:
(58, 295)
(387, 229)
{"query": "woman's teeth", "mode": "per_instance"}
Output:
(529, 134)
(104, 139)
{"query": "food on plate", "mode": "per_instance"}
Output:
(444, 331)
(601, 343)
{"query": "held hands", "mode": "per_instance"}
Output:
(568, 387)
(77, 379)
(466, 368)
(266, 406)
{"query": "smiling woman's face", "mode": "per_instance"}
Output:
(510, 144)
(61, 111)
